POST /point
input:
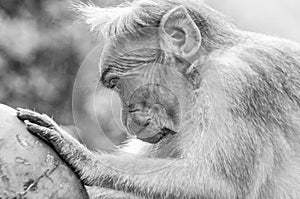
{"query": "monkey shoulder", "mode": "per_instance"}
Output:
(260, 52)
(261, 42)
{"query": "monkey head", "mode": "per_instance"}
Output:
(147, 68)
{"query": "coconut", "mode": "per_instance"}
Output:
(29, 168)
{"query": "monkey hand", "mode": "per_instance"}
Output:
(40, 125)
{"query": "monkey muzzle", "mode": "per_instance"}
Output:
(153, 113)
(149, 124)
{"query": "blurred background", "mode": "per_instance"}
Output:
(43, 49)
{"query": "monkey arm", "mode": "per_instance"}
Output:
(167, 178)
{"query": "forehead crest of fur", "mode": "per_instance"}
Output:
(137, 19)
(112, 21)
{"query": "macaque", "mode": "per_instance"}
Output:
(213, 111)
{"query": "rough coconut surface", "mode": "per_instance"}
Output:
(29, 168)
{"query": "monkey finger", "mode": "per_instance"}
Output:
(34, 117)
(40, 131)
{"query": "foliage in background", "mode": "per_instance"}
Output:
(41, 49)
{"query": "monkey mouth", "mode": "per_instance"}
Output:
(148, 133)
(164, 132)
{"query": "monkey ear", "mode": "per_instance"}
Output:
(179, 33)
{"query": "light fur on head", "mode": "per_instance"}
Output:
(110, 21)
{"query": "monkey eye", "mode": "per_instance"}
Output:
(113, 82)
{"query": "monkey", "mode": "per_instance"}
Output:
(229, 100)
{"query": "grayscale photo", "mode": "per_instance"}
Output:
(149, 99)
